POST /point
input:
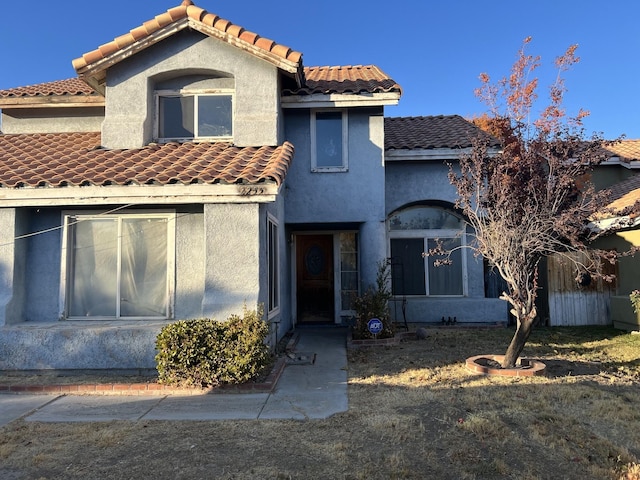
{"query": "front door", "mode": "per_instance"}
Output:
(315, 284)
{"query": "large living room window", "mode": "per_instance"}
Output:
(189, 116)
(415, 231)
(118, 266)
(329, 143)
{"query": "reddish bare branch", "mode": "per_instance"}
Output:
(535, 197)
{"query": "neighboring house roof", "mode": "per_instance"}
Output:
(624, 195)
(93, 64)
(432, 132)
(626, 150)
(76, 159)
(622, 210)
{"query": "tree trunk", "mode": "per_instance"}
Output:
(523, 330)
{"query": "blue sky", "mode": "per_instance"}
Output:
(434, 50)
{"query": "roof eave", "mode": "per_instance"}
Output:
(95, 73)
(52, 101)
(264, 192)
(430, 154)
(288, 66)
(614, 224)
(363, 99)
(619, 161)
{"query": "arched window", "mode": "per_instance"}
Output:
(194, 107)
(413, 232)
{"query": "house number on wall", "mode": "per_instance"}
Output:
(249, 191)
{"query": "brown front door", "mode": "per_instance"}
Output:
(315, 287)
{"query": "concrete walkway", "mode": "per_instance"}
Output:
(313, 386)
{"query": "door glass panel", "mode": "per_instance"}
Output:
(348, 269)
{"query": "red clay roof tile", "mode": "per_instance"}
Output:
(345, 79)
(424, 133)
(187, 10)
(72, 86)
(61, 159)
(324, 80)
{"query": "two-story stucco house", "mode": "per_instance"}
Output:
(195, 167)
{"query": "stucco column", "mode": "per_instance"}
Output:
(372, 250)
(232, 255)
(11, 267)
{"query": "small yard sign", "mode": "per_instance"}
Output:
(375, 326)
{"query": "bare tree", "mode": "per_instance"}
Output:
(534, 198)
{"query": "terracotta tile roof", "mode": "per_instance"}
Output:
(76, 159)
(187, 10)
(628, 150)
(425, 133)
(625, 194)
(71, 86)
(345, 79)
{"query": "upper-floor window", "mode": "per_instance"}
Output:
(188, 116)
(329, 144)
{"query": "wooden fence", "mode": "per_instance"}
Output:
(577, 303)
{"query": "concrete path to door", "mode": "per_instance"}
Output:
(312, 386)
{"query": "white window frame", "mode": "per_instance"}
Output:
(345, 142)
(427, 235)
(196, 94)
(73, 216)
(273, 277)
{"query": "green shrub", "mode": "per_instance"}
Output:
(374, 303)
(207, 352)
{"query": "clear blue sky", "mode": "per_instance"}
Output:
(434, 49)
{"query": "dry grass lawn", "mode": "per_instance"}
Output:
(415, 413)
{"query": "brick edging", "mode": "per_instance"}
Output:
(353, 344)
(528, 368)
